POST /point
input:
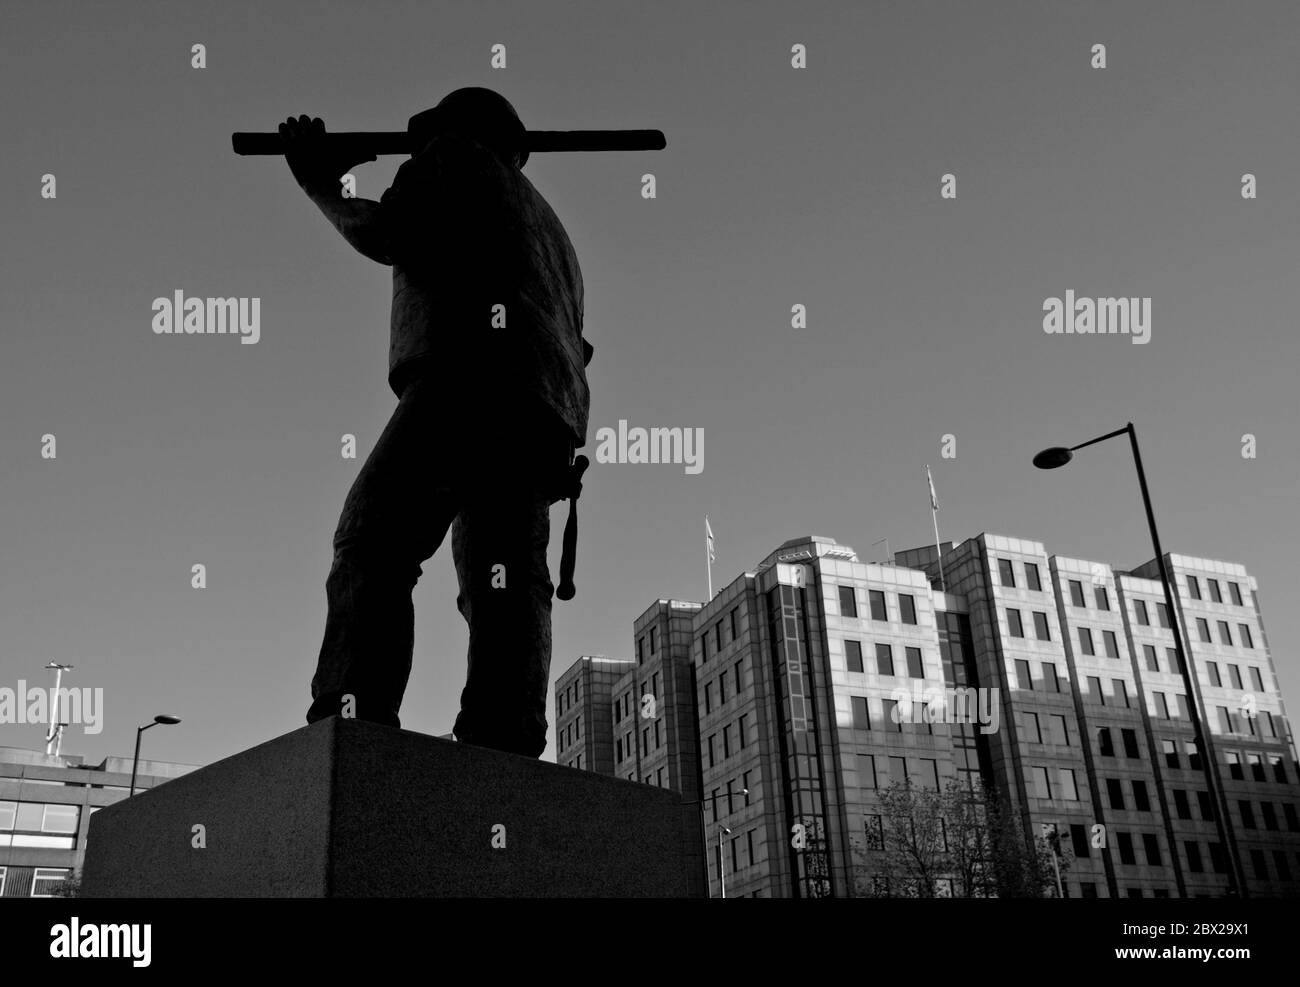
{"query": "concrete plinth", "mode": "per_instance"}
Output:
(345, 808)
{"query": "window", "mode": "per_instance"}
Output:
(1162, 614)
(1212, 669)
(46, 879)
(928, 776)
(1270, 728)
(898, 770)
(907, 606)
(1149, 653)
(652, 640)
(1193, 587)
(1007, 572)
(1103, 598)
(1218, 859)
(640, 650)
(1041, 630)
(1227, 722)
(876, 600)
(1104, 744)
(1014, 626)
(704, 645)
(1256, 680)
(1076, 593)
(1033, 734)
(1023, 678)
(742, 730)
(1162, 706)
(1235, 590)
(657, 741)
(1031, 577)
(1215, 595)
(732, 618)
(1140, 611)
(1125, 841)
(1151, 843)
(726, 739)
(717, 636)
(1094, 690)
(1141, 801)
(1203, 629)
(722, 688)
(1042, 784)
(1283, 870)
(1193, 755)
(712, 741)
(848, 602)
(875, 832)
(1085, 641)
(708, 697)
(1116, 792)
(1121, 692)
(1254, 760)
(1247, 813)
(853, 654)
(1051, 681)
(1060, 730)
(1130, 739)
(1111, 644)
(1193, 851)
(1292, 820)
(1279, 768)
(915, 668)
(1181, 804)
(861, 715)
(866, 771)
(1234, 676)
(739, 670)
(1079, 839)
(1225, 635)
(1183, 712)
(1069, 785)
(1171, 753)
(1234, 766)
(884, 659)
(893, 718)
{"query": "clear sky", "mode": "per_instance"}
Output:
(779, 186)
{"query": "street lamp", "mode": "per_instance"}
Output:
(704, 830)
(163, 718)
(1058, 456)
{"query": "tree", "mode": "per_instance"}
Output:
(70, 887)
(961, 842)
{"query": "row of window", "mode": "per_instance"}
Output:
(1234, 676)
(1268, 813)
(1244, 638)
(570, 734)
(727, 747)
(894, 718)
(884, 659)
(737, 673)
(1216, 595)
(43, 881)
(566, 699)
(876, 605)
(732, 622)
(922, 772)
(743, 794)
(39, 824)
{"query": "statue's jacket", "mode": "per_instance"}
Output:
(467, 233)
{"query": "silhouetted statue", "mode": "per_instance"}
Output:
(487, 358)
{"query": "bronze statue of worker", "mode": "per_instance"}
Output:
(487, 359)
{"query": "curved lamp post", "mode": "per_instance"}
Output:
(166, 720)
(1058, 456)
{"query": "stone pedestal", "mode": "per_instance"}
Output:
(345, 808)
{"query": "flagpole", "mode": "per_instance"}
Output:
(708, 553)
(934, 516)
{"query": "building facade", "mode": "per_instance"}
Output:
(45, 807)
(811, 675)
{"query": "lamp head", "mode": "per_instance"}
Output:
(166, 719)
(1053, 458)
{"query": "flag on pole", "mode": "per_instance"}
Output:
(708, 539)
(934, 500)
